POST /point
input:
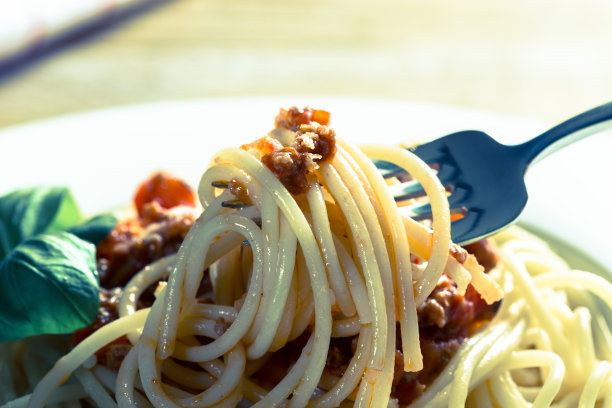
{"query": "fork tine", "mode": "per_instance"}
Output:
(220, 184)
(429, 155)
(460, 228)
(406, 191)
(234, 204)
(412, 189)
(459, 197)
(447, 173)
(387, 169)
(423, 211)
(229, 203)
(418, 212)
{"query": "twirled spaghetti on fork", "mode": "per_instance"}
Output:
(304, 245)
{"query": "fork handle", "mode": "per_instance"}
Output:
(565, 133)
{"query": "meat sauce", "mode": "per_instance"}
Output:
(295, 117)
(112, 354)
(165, 208)
(139, 241)
(314, 142)
(165, 211)
(446, 320)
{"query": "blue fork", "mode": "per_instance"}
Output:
(485, 179)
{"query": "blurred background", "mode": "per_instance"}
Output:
(539, 60)
(546, 59)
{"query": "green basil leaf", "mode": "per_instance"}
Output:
(27, 212)
(96, 228)
(49, 285)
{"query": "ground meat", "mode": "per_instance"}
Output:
(116, 353)
(294, 117)
(221, 326)
(239, 191)
(290, 167)
(317, 140)
(434, 311)
(458, 253)
(109, 301)
(445, 308)
(135, 243)
(112, 354)
(279, 363)
(446, 319)
(340, 352)
(314, 143)
(436, 355)
(485, 252)
(165, 212)
(132, 245)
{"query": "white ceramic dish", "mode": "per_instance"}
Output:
(103, 155)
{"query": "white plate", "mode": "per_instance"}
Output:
(103, 155)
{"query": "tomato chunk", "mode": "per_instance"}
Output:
(166, 190)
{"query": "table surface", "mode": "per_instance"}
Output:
(545, 60)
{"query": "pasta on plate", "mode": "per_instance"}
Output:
(302, 283)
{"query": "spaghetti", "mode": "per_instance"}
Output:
(324, 253)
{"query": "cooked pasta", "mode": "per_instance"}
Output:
(336, 259)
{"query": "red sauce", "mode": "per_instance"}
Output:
(166, 190)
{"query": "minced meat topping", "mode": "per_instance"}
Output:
(294, 117)
(446, 320)
(137, 242)
(165, 211)
(113, 353)
(314, 142)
